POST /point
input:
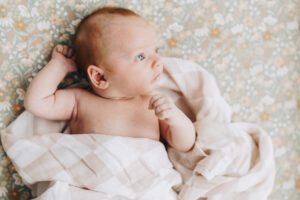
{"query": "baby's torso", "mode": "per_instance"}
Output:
(94, 114)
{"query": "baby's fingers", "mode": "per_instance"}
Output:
(152, 100)
(158, 100)
(165, 114)
(59, 48)
(161, 108)
(70, 53)
(63, 49)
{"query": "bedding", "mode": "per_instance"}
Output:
(251, 47)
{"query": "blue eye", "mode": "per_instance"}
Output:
(139, 57)
(157, 50)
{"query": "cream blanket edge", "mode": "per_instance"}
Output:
(228, 161)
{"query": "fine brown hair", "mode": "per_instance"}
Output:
(87, 38)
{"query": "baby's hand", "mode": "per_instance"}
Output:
(65, 56)
(164, 108)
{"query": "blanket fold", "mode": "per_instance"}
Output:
(228, 161)
(98, 162)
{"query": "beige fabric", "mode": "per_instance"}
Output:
(228, 161)
(111, 166)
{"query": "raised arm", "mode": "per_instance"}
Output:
(176, 128)
(42, 97)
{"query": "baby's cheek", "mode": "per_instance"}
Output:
(145, 80)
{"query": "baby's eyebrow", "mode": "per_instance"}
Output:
(141, 49)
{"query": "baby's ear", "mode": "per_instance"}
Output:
(96, 76)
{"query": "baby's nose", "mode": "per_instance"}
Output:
(157, 63)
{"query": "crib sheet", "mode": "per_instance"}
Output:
(251, 47)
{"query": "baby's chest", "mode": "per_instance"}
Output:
(132, 121)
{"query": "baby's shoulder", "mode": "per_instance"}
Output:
(81, 94)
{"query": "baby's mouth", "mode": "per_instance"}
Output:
(156, 77)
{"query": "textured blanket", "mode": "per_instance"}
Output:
(228, 161)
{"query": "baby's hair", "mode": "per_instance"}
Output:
(87, 39)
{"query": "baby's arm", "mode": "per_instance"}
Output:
(42, 97)
(177, 128)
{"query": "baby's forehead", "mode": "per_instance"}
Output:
(121, 35)
(130, 25)
(128, 31)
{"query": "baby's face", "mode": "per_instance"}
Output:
(130, 52)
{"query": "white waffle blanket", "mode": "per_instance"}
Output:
(229, 161)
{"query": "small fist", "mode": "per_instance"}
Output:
(65, 56)
(164, 107)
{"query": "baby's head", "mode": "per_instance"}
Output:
(117, 50)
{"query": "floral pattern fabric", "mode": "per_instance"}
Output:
(252, 47)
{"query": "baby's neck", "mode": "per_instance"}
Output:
(119, 98)
(109, 96)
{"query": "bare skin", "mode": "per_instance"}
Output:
(121, 102)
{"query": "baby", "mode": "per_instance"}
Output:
(117, 50)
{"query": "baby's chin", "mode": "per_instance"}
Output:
(150, 91)
(147, 92)
(151, 87)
